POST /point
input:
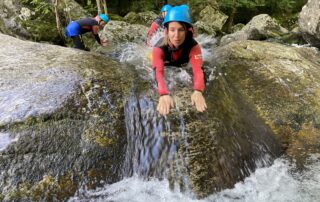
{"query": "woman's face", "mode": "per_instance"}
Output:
(176, 33)
(102, 24)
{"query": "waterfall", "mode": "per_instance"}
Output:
(150, 147)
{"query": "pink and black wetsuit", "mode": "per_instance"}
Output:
(166, 55)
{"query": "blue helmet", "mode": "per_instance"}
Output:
(185, 6)
(178, 14)
(104, 17)
(165, 8)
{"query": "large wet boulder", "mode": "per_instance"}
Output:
(261, 27)
(309, 22)
(281, 84)
(61, 116)
(211, 21)
(196, 7)
(143, 18)
(71, 10)
(121, 32)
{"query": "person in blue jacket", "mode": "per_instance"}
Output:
(75, 29)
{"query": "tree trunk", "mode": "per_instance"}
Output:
(99, 6)
(67, 10)
(59, 27)
(232, 15)
(105, 8)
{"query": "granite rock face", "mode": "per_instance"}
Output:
(63, 109)
(309, 20)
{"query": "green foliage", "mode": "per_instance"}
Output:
(246, 9)
(142, 5)
(42, 25)
(285, 5)
(91, 7)
(242, 3)
(40, 7)
(272, 5)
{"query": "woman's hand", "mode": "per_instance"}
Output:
(164, 105)
(198, 100)
(104, 42)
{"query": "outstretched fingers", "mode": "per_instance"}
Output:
(164, 105)
(198, 100)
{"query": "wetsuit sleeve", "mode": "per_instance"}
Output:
(95, 29)
(158, 66)
(196, 62)
(96, 36)
(153, 28)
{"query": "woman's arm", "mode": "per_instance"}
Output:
(158, 66)
(197, 98)
(95, 30)
(196, 62)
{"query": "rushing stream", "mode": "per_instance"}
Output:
(277, 183)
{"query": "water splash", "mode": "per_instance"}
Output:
(156, 36)
(140, 56)
(277, 183)
(134, 189)
(207, 44)
(5, 140)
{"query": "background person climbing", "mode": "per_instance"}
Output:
(157, 23)
(75, 29)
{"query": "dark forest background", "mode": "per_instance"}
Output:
(239, 11)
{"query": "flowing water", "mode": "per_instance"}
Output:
(277, 183)
(5, 140)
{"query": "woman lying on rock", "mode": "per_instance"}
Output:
(178, 48)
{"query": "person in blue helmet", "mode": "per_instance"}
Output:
(178, 48)
(75, 29)
(157, 23)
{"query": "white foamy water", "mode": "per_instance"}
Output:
(156, 36)
(207, 44)
(277, 183)
(5, 140)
